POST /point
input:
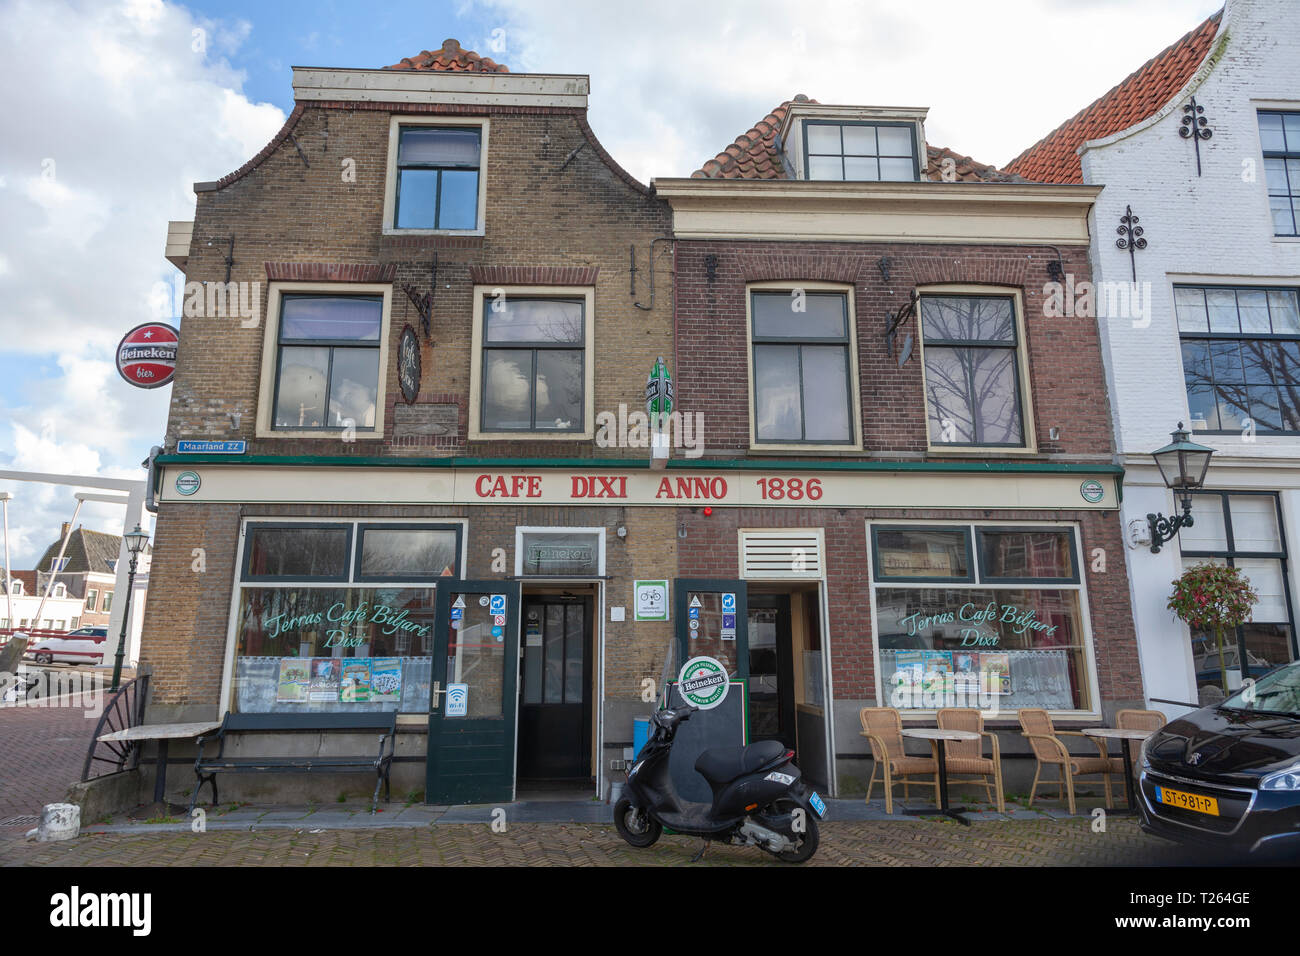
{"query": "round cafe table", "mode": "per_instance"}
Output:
(936, 736)
(1124, 735)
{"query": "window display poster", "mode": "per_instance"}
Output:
(385, 680)
(995, 672)
(908, 668)
(966, 671)
(326, 675)
(937, 672)
(295, 678)
(354, 687)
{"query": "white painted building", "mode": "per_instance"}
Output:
(1219, 346)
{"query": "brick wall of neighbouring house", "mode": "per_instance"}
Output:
(1068, 385)
(554, 202)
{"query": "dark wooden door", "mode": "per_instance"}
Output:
(471, 755)
(555, 704)
(771, 669)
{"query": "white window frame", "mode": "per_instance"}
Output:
(521, 530)
(1026, 393)
(92, 599)
(271, 354)
(1085, 606)
(15, 587)
(855, 386)
(395, 125)
(588, 295)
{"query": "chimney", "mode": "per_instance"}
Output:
(63, 533)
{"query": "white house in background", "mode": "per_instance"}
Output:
(62, 611)
(1217, 343)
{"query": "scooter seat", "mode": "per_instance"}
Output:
(725, 764)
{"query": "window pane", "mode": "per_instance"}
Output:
(1267, 646)
(972, 396)
(533, 320)
(895, 141)
(554, 654)
(553, 553)
(962, 318)
(1196, 362)
(897, 170)
(1254, 523)
(508, 390)
(559, 390)
(1284, 223)
(921, 553)
(822, 316)
(826, 393)
(1253, 304)
(822, 139)
(1270, 132)
(1026, 554)
(459, 206)
(401, 552)
(297, 552)
(1222, 304)
(1207, 532)
(861, 169)
(1291, 126)
(776, 387)
(417, 198)
(440, 145)
(825, 167)
(300, 397)
(1285, 311)
(1263, 405)
(354, 387)
(533, 655)
(1189, 304)
(859, 140)
(1266, 578)
(1275, 176)
(476, 658)
(1225, 358)
(350, 318)
(573, 654)
(1258, 357)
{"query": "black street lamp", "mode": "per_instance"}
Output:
(1182, 465)
(135, 542)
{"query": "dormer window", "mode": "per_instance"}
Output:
(16, 587)
(860, 152)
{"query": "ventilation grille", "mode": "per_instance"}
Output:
(781, 554)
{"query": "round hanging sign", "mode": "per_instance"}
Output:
(408, 365)
(703, 682)
(146, 356)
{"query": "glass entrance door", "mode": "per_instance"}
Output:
(771, 669)
(711, 621)
(555, 709)
(471, 755)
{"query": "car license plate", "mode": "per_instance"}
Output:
(818, 804)
(1187, 801)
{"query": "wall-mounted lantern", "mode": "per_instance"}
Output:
(1182, 465)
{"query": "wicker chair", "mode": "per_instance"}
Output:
(1151, 720)
(884, 729)
(1045, 740)
(967, 756)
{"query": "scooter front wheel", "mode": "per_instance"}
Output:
(635, 825)
(807, 840)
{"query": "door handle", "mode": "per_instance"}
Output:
(433, 694)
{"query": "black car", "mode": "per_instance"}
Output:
(1229, 775)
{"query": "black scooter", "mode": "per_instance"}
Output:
(759, 798)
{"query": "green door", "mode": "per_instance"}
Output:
(711, 619)
(474, 694)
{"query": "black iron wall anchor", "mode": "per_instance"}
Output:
(1195, 127)
(230, 253)
(885, 264)
(424, 302)
(1130, 237)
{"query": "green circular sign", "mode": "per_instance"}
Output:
(703, 682)
(1092, 491)
(187, 482)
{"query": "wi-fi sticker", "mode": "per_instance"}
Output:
(457, 700)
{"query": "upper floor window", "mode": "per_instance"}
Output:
(1241, 357)
(1279, 134)
(58, 564)
(16, 587)
(327, 362)
(972, 366)
(92, 598)
(872, 152)
(107, 603)
(437, 178)
(60, 591)
(532, 364)
(802, 373)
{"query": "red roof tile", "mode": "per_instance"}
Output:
(451, 58)
(754, 155)
(1053, 158)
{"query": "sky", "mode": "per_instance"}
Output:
(126, 103)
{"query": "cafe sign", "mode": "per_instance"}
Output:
(979, 625)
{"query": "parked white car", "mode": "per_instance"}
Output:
(85, 645)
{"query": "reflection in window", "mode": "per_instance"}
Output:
(533, 364)
(328, 364)
(971, 375)
(801, 367)
(1279, 135)
(437, 177)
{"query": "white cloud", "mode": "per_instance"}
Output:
(101, 151)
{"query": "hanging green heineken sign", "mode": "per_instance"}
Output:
(659, 392)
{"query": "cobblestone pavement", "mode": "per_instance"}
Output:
(1046, 842)
(41, 751)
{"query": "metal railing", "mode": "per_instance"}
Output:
(123, 710)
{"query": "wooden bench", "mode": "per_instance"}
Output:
(207, 768)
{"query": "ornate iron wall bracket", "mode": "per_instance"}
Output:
(898, 319)
(1130, 237)
(1165, 529)
(1195, 127)
(424, 302)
